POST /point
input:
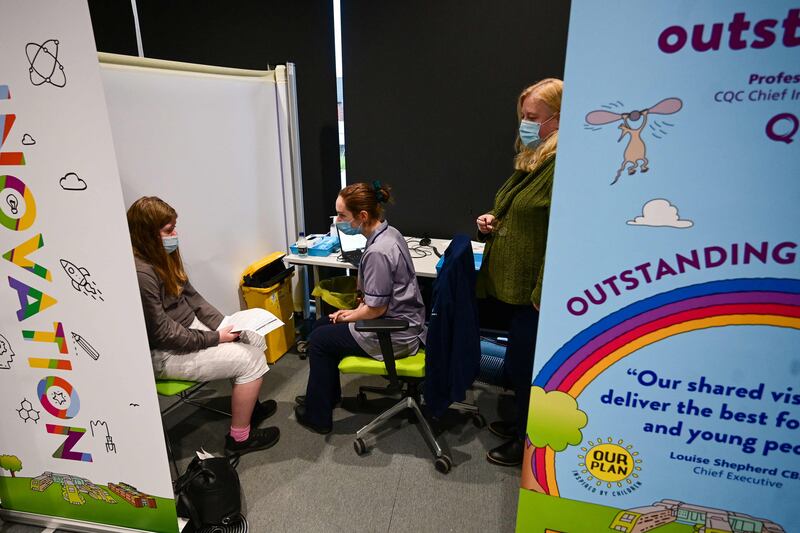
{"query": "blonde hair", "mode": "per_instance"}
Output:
(146, 217)
(548, 91)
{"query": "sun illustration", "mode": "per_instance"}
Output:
(610, 462)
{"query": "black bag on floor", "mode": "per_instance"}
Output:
(209, 492)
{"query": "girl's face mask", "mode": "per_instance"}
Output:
(170, 243)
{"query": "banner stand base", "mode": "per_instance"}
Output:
(56, 522)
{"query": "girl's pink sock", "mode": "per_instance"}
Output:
(240, 434)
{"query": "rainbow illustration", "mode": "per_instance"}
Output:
(733, 302)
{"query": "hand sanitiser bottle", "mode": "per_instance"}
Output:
(302, 245)
(333, 233)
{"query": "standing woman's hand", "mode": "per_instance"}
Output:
(486, 223)
(225, 335)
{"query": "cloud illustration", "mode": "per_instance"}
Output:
(27, 140)
(554, 420)
(71, 182)
(660, 212)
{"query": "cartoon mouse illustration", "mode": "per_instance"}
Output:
(636, 149)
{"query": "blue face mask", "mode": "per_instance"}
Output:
(170, 243)
(347, 229)
(529, 133)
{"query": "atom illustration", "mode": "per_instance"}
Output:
(44, 64)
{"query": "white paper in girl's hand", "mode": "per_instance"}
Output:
(259, 320)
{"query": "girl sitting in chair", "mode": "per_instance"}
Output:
(387, 279)
(182, 328)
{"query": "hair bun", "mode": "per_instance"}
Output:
(381, 192)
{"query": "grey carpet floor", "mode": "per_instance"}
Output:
(315, 483)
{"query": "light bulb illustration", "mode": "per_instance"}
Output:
(12, 202)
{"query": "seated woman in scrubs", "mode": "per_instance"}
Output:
(388, 282)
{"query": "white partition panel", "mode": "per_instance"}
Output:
(209, 144)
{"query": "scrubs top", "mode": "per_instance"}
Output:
(386, 277)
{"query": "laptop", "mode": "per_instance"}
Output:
(352, 247)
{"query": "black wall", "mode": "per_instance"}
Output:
(248, 34)
(112, 22)
(430, 91)
(430, 87)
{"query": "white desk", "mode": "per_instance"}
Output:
(425, 267)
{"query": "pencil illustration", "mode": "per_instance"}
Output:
(88, 348)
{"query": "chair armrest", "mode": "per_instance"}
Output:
(379, 325)
(384, 327)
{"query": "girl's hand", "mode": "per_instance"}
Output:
(225, 335)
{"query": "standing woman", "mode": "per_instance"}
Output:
(515, 231)
(388, 282)
(182, 328)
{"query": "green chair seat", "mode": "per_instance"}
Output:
(185, 391)
(412, 366)
(173, 387)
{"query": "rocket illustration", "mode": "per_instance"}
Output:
(78, 275)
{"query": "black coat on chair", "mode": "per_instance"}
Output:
(453, 350)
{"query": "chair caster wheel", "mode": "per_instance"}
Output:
(478, 421)
(361, 399)
(360, 446)
(302, 348)
(443, 464)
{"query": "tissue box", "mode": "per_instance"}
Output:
(319, 245)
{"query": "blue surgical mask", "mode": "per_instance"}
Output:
(347, 229)
(170, 243)
(529, 133)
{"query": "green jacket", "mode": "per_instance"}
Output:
(513, 260)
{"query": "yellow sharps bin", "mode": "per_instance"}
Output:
(268, 284)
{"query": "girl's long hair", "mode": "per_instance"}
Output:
(146, 217)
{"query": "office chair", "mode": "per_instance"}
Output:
(184, 391)
(405, 378)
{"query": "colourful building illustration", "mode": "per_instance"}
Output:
(41, 483)
(705, 519)
(72, 488)
(132, 496)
